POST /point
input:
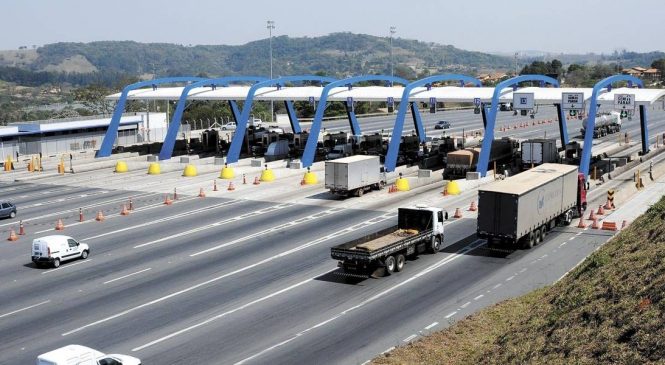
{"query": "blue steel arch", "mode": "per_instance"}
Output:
(310, 147)
(486, 147)
(172, 133)
(393, 147)
(591, 119)
(107, 143)
(236, 142)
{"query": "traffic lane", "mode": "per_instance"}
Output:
(361, 334)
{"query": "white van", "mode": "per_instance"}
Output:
(81, 355)
(56, 249)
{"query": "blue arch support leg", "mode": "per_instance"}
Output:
(563, 127)
(236, 142)
(293, 118)
(353, 121)
(315, 130)
(396, 137)
(483, 159)
(417, 122)
(591, 119)
(235, 111)
(645, 131)
(483, 112)
(111, 132)
(172, 133)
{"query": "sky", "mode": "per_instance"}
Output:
(564, 26)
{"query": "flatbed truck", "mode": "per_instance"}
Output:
(419, 229)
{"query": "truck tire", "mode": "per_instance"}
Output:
(538, 236)
(568, 218)
(360, 192)
(389, 262)
(435, 245)
(543, 232)
(400, 260)
(56, 263)
(528, 240)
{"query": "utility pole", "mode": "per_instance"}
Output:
(516, 55)
(393, 30)
(271, 26)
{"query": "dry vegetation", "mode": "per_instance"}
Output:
(610, 309)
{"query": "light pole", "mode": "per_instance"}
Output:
(271, 26)
(392, 31)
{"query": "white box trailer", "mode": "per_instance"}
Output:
(354, 175)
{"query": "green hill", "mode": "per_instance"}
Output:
(610, 309)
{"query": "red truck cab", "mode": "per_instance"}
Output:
(581, 194)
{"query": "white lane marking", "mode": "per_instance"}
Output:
(434, 324)
(571, 238)
(523, 270)
(214, 318)
(510, 278)
(237, 271)
(578, 233)
(496, 286)
(68, 265)
(465, 305)
(165, 219)
(24, 309)
(478, 297)
(216, 224)
(451, 314)
(128, 275)
(38, 204)
(409, 338)
(388, 350)
(269, 230)
(446, 260)
(562, 244)
(543, 256)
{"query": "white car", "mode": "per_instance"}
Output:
(56, 249)
(77, 354)
(229, 125)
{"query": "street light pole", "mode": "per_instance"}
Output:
(271, 26)
(392, 31)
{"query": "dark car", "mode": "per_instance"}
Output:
(7, 209)
(442, 124)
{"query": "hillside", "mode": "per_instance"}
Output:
(337, 54)
(610, 309)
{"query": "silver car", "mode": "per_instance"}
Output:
(7, 209)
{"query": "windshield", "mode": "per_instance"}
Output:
(108, 361)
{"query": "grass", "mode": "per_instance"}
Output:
(610, 309)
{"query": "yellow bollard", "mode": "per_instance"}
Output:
(190, 171)
(227, 173)
(121, 166)
(154, 169)
(267, 175)
(453, 187)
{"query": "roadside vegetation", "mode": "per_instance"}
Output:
(610, 309)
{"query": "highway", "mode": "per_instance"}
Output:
(245, 276)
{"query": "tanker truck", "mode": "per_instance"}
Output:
(605, 124)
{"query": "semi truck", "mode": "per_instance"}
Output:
(539, 151)
(605, 124)
(521, 209)
(419, 229)
(354, 175)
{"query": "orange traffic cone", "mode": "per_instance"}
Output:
(595, 224)
(80, 214)
(302, 181)
(600, 211)
(131, 204)
(473, 206)
(458, 213)
(244, 179)
(59, 226)
(202, 194)
(175, 194)
(592, 215)
(124, 210)
(100, 216)
(231, 186)
(167, 200)
(21, 229)
(445, 191)
(12, 235)
(214, 185)
(581, 224)
(256, 180)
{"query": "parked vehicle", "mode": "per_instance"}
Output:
(229, 126)
(506, 107)
(82, 355)
(354, 175)
(523, 208)
(419, 229)
(605, 124)
(339, 151)
(7, 209)
(56, 249)
(255, 122)
(539, 151)
(442, 124)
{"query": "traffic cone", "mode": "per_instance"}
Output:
(302, 181)
(231, 186)
(167, 200)
(201, 193)
(214, 185)
(473, 207)
(244, 179)
(59, 226)
(624, 224)
(608, 205)
(600, 211)
(445, 191)
(80, 214)
(592, 215)
(100, 216)
(175, 194)
(458, 213)
(595, 224)
(21, 229)
(12, 235)
(131, 204)
(124, 210)
(256, 180)
(581, 224)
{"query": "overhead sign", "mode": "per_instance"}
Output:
(572, 101)
(476, 101)
(523, 101)
(391, 100)
(624, 101)
(311, 100)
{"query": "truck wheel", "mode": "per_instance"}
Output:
(543, 232)
(528, 240)
(435, 245)
(84, 254)
(56, 263)
(400, 261)
(390, 265)
(568, 218)
(360, 192)
(538, 237)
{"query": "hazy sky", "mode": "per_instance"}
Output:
(577, 26)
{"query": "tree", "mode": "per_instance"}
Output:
(660, 65)
(93, 97)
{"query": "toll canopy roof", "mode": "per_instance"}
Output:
(642, 96)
